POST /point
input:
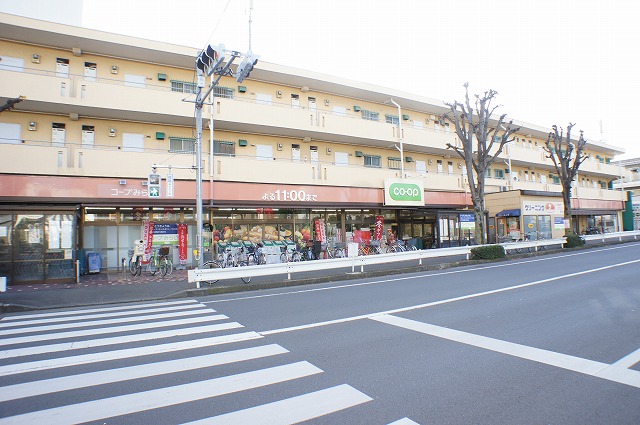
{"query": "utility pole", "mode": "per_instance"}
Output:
(211, 62)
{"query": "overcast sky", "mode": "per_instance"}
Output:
(551, 61)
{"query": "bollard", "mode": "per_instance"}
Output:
(124, 261)
(77, 271)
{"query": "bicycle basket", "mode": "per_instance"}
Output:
(164, 250)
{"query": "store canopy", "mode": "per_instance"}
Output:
(509, 213)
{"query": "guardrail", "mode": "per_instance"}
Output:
(204, 275)
(613, 235)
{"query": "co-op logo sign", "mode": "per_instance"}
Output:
(404, 193)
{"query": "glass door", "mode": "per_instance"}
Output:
(43, 248)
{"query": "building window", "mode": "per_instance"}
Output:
(224, 92)
(225, 148)
(183, 87)
(394, 163)
(439, 166)
(182, 144)
(391, 119)
(372, 161)
(498, 174)
(369, 115)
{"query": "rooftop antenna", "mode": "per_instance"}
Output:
(250, 10)
(601, 132)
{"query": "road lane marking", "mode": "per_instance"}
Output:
(94, 310)
(147, 350)
(91, 343)
(110, 330)
(162, 397)
(446, 301)
(404, 421)
(551, 358)
(628, 360)
(293, 410)
(108, 376)
(103, 315)
(398, 279)
(106, 321)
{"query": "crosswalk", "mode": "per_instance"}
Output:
(168, 362)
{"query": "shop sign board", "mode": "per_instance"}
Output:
(170, 185)
(558, 223)
(403, 192)
(467, 221)
(542, 208)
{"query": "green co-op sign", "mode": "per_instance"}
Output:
(403, 192)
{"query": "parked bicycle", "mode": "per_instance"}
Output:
(229, 257)
(289, 254)
(337, 251)
(164, 261)
(135, 262)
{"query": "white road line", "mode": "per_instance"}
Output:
(293, 410)
(398, 279)
(114, 329)
(15, 323)
(64, 383)
(147, 350)
(434, 303)
(628, 360)
(551, 358)
(162, 397)
(404, 421)
(105, 321)
(91, 343)
(94, 310)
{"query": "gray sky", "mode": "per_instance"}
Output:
(551, 61)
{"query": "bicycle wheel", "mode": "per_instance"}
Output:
(133, 268)
(246, 279)
(211, 265)
(169, 266)
(152, 266)
(138, 267)
(163, 269)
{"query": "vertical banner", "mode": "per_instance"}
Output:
(379, 227)
(320, 230)
(170, 185)
(147, 237)
(182, 243)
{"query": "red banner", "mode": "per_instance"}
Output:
(379, 227)
(182, 243)
(320, 230)
(147, 237)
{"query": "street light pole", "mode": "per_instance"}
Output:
(401, 149)
(199, 224)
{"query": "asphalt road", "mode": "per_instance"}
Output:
(544, 340)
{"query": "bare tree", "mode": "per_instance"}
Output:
(482, 138)
(567, 156)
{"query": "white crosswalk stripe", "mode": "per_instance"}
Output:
(135, 371)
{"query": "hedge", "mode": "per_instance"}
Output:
(488, 252)
(574, 241)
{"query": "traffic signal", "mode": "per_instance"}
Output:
(210, 58)
(246, 66)
(153, 185)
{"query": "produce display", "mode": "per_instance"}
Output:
(260, 233)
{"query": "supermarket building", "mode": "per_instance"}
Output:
(290, 147)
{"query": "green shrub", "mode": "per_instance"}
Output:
(488, 252)
(574, 241)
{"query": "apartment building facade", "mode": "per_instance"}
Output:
(287, 154)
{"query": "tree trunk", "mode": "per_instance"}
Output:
(566, 199)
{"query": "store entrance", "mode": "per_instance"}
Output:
(42, 248)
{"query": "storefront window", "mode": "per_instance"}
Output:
(166, 214)
(100, 214)
(134, 214)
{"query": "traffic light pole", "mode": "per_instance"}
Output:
(211, 60)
